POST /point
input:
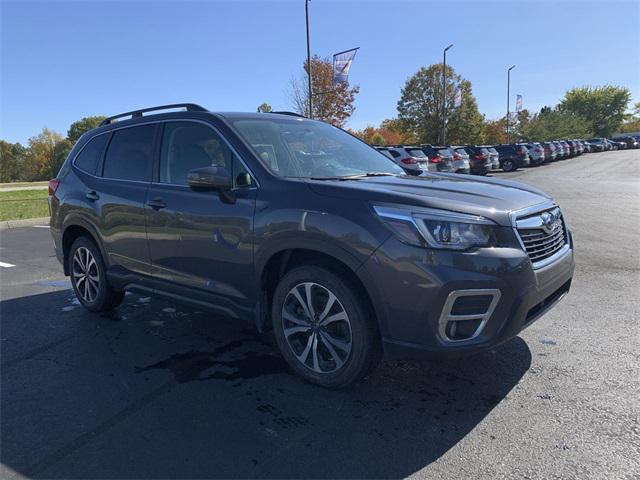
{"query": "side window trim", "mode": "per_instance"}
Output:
(156, 164)
(99, 164)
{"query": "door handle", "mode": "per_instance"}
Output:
(92, 195)
(156, 203)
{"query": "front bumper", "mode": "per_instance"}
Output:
(415, 285)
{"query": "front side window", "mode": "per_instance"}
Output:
(187, 146)
(89, 158)
(130, 154)
(296, 147)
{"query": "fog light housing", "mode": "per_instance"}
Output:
(465, 314)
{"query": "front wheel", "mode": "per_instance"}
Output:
(89, 278)
(324, 328)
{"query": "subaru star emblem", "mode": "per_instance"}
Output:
(549, 220)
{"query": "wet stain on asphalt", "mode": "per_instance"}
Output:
(195, 365)
(284, 422)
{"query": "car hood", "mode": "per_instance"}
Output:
(488, 197)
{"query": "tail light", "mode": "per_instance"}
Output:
(409, 161)
(53, 186)
(537, 150)
(479, 156)
(457, 157)
(435, 159)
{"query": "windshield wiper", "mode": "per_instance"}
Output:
(355, 177)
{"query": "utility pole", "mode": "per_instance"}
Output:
(310, 93)
(508, 95)
(444, 91)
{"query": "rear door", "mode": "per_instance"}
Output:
(121, 194)
(201, 241)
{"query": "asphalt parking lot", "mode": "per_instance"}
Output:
(159, 390)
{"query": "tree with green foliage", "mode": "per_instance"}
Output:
(81, 126)
(420, 107)
(12, 162)
(264, 107)
(602, 107)
(553, 123)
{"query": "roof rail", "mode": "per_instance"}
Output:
(293, 114)
(190, 107)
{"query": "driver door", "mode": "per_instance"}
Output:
(199, 240)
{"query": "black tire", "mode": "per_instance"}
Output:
(101, 297)
(508, 165)
(365, 352)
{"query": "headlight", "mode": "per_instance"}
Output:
(427, 227)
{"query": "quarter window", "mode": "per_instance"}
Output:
(130, 154)
(89, 158)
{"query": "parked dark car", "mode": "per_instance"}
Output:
(619, 144)
(295, 225)
(512, 157)
(631, 142)
(479, 159)
(597, 144)
(442, 160)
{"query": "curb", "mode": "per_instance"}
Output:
(29, 222)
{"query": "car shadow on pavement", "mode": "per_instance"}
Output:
(160, 390)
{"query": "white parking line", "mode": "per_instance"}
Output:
(40, 226)
(6, 265)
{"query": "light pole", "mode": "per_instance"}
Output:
(508, 94)
(306, 12)
(444, 89)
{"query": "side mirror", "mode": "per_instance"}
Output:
(210, 178)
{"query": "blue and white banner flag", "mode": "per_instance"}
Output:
(342, 64)
(458, 97)
(518, 103)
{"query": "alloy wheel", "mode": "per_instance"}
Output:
(85, 274)
(316, 327)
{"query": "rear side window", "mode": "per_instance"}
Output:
(89, 158)
(130, 154)
(394, 154)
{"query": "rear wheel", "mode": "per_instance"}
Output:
(324, 329)
(89, 279)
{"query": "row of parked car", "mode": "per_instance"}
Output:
(482, 159)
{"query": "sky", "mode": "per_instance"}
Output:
(63, 60)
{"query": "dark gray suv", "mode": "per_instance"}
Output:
(294, 225)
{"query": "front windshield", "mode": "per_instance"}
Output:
(297, 147)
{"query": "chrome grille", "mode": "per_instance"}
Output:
(542, 234)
